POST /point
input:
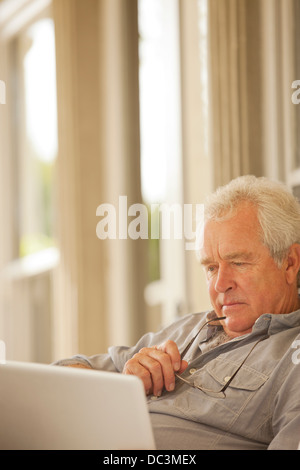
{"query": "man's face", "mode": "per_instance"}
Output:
(243, 279)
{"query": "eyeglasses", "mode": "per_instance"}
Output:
(221, 392)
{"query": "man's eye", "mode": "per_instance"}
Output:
(211, 269)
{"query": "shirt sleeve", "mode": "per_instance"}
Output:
(100, 362)
(116, 357)
(286, 416)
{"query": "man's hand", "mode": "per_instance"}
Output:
(156, 367)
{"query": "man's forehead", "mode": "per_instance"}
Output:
(238, 237)
(241, 255)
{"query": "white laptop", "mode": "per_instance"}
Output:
(46, 407)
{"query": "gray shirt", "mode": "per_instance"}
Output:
(261, 409)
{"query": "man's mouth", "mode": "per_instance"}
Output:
(232, 305)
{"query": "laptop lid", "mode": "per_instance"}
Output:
(46, 407)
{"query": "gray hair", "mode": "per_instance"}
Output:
(278, 210)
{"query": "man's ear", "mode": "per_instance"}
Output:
(293, 263)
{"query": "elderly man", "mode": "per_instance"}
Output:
(228, 379)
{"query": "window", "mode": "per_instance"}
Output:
(165, 160)
(297, 77)
(34, 66)
(28, 141)
(161, 159)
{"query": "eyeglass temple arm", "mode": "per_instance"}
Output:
(193, 339)
(232, 377)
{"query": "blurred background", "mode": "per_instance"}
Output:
(160, 101)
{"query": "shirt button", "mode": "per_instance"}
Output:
(154, 397)
(192, 371)
(227, 378)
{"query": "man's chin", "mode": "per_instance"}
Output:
(237, 322)
(236, 327)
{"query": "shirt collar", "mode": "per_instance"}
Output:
(274, 323)
(267, 323)
(211, 329)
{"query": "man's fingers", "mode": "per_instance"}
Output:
(161, 370)
(155, 366)
(148, 369)
(183, 366)
(136, 367)
(170, 348)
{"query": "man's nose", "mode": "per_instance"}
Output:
(225, 279)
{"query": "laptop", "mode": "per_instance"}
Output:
(44, 407)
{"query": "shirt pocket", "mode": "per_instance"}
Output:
(221, 412)
(219, 372)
